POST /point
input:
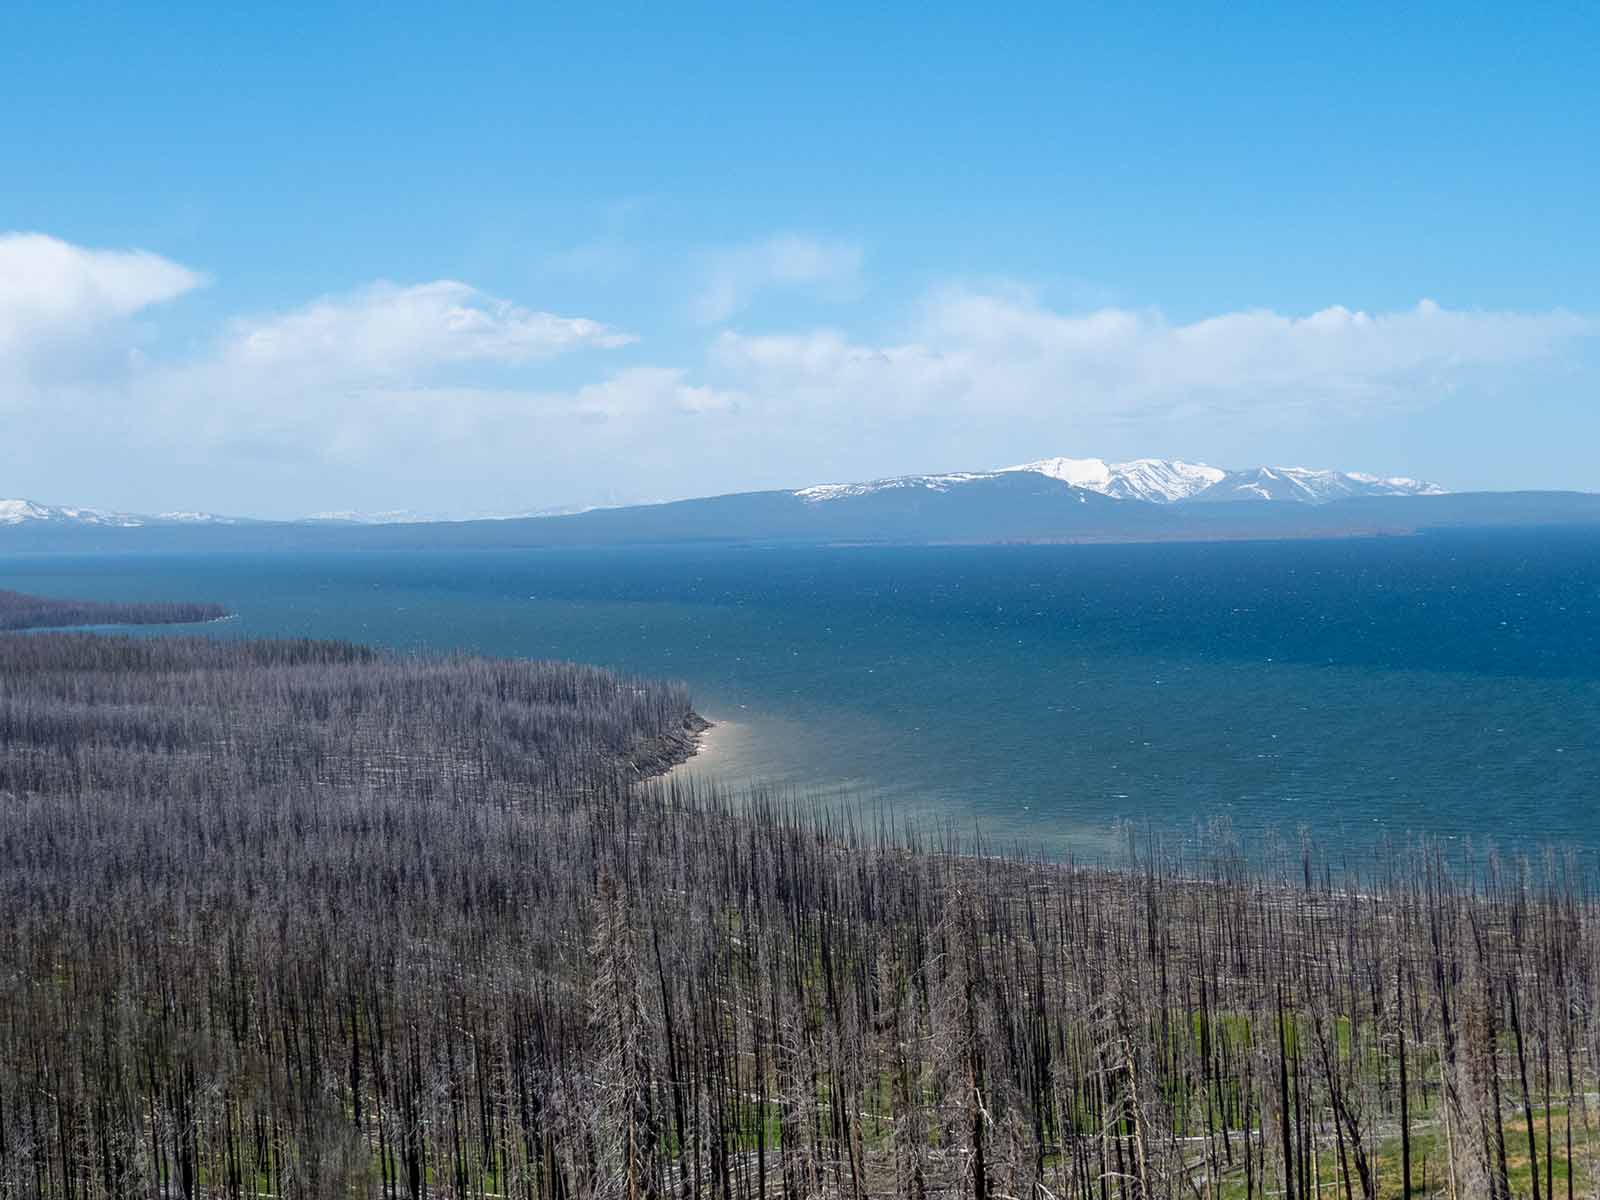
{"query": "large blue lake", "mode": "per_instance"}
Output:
(1349, 690)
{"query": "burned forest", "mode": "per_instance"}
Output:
(18, 610)
(302, 919)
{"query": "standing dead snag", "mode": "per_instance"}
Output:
(625, 1131)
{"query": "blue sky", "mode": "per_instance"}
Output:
(484, 258)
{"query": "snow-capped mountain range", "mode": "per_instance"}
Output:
(1153, 480)
(1160, 481)
(1050, 501)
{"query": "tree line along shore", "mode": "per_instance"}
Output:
(303, 919)
(18, 610)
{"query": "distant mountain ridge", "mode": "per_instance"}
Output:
(30, 512)
(1161, 481)
(1056, 500)
(20, 512)
(1153, 480)
(408, 516)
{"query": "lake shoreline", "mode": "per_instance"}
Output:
(671, 750)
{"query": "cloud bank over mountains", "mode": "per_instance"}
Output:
(459, 392)
(990, 352)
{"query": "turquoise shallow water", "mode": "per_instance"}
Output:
(1350, 690)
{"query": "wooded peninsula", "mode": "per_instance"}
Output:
(304, 919)
(21, 611)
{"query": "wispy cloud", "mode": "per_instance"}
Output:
(642, 393)
(386, 331)
(598, 259)
(608, 254)
(733, 277)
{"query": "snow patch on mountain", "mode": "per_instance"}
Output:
(353, 517)
(18, 512)
(1312, 486)
(194, 518)
(27, 512)
(1158, 480)
(406, 516)
(1092, 473)
(934, 483)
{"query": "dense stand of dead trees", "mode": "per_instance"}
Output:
(18, 610)
(297, 919)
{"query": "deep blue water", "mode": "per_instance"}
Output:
(1353, 690)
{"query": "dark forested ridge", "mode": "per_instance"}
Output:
(298, 919)
(21, 611)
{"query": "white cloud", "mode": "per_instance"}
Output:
(384, 374)
(810, 376)
(975, 353)
(386, 332)
(641, 393)
(53, 294)
(733, 277)
(342, 383)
